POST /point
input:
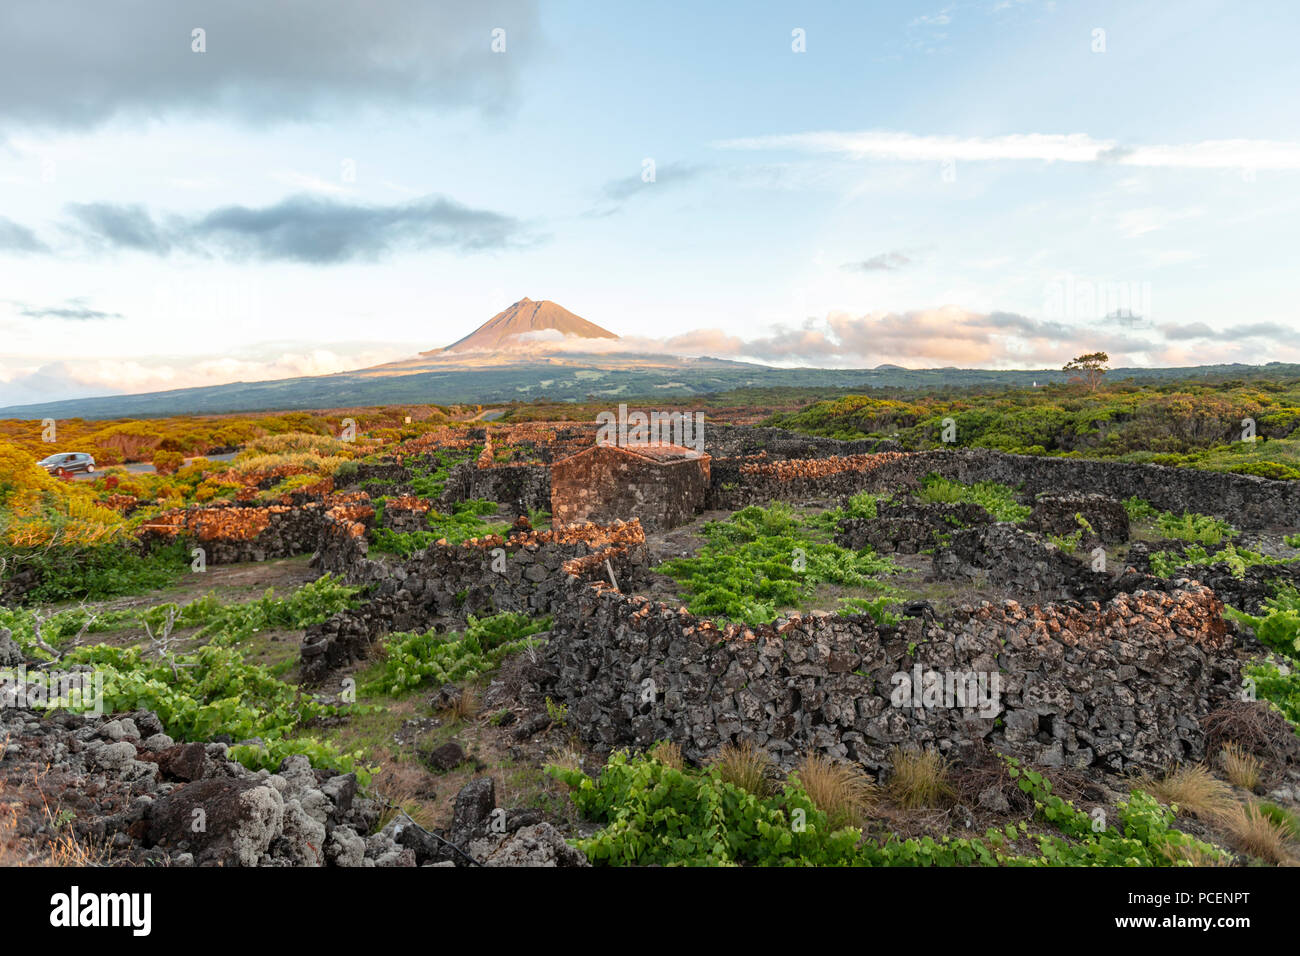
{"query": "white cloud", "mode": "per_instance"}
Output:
(1044, 147)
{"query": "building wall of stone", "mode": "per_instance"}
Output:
(523, 486)
(606, 483)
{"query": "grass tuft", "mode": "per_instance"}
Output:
(1254, 831)
(842, 792)
(919, 778)
(1241, 767)
(745, 766)
(669, 754)
(1191, 789)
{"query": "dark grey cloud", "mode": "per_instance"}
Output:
(119, 227)
(18, 238)
(884, 262)
(79, 62)
(301, 229)
(1029, 327)
(307, 229)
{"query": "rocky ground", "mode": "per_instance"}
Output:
(117, 790)
(461, 775)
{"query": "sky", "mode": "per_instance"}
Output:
(310, 187)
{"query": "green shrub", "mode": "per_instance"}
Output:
(655, 814)
(1279, 688)
(233, 623)
(862, 505)
(998, 500)
(1274, 470)
(464, 522)
(1166, 563)
(762, 560)
(97, 572)
(428, 473)
(876, 609)
(215, 691)
(1279, 626)
(1140, 510)
(223, 623)
(1176, 423)
(410, 660)
(1189, 526)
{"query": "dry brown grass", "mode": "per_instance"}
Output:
(67, 849)
(842, 792)
(1241, 767)
(1252, 831)
(1192, 789)
(398, 786)
(8, 828)
(567, 757)
(669, 754)
(465, 705)
(745, 766)
(919, 778)
(64, 847)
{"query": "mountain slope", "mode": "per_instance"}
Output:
(526, 381)
(521, 318)
(502, 362)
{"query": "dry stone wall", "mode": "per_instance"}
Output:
(1059, 515)
(1119, 685)
(736, 441)
(232, 532)
(907, 526)
(527, 572)
(1247, 501)
(1003, 555)
(1246, 589)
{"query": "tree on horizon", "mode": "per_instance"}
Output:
(1091, 368)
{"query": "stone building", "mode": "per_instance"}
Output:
(663, 485)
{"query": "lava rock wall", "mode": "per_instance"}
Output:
(530, 572)
(1247, 501)
(1119, 685)
(525, 487)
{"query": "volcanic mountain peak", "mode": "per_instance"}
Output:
(523, 317)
